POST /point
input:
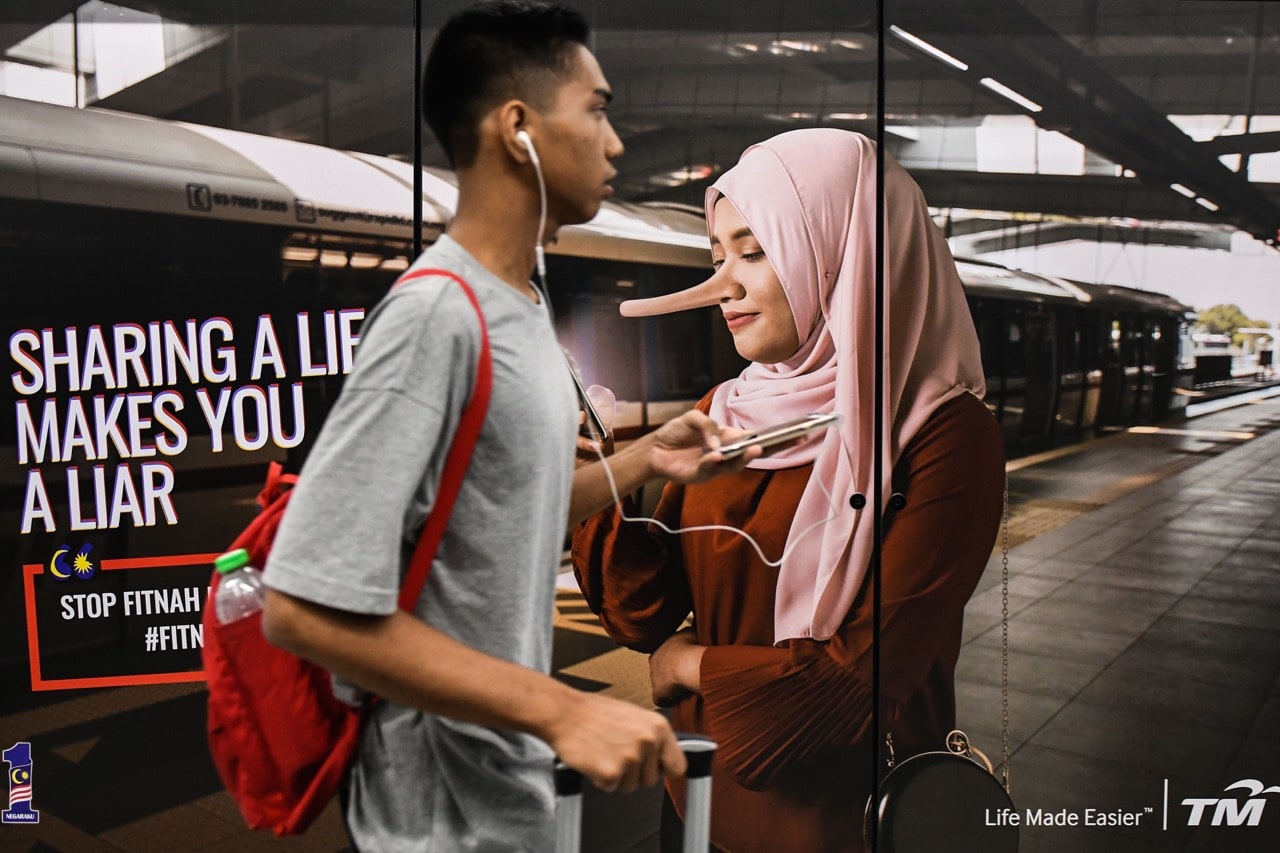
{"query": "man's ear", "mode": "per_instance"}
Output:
(509, 119)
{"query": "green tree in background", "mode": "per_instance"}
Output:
(1225, 319)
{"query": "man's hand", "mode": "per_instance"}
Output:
(684, 449)
(615, 744)
(675, 669)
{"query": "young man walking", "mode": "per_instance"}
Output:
(458, 757)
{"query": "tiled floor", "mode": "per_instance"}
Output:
(1144, 671)
(1145, 643)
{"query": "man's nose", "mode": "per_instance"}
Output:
(613, 147)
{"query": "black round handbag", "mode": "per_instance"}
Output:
(946, 800)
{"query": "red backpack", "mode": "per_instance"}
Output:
(279, 737)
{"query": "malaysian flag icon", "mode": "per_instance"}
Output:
(20, 789)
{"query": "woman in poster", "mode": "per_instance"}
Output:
(776, 664)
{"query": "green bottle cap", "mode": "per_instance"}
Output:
(231, 561)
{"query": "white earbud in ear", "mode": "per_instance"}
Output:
(523, 137)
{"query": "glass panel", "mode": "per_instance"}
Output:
(1124, 153)
(199, 202)
(188, 253)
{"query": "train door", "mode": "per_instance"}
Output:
(1112, 392)
(1093, 338)
(1040, 374)
(989, 319)
(605, 347)
(1069, 419)
(1164, 343)
(1179, 361)
(1139, 367)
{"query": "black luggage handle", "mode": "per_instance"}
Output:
(698, 753)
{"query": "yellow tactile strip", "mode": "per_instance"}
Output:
(1032, 518)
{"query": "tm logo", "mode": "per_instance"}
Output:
(18, 757)
(1229, 812)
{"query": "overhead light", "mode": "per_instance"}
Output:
(680, 177)
(1179, 188)
(786, 47)
(399, 262)
(802, 46)
(1005, 92)
(924, 47)
(332, 258)
(847, 116)
(740, 49)
(798, 115)
(790, 47)
(1205, 203)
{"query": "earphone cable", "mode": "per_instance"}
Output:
(617, 500)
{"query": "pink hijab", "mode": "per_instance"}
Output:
(810, 199)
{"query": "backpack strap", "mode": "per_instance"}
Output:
(455, 465)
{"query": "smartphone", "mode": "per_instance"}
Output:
(784, 432)
(594, 427)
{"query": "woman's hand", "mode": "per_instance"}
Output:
(675, 669)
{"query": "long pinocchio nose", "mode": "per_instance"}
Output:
(709, 292)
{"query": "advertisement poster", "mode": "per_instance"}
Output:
(201, 203)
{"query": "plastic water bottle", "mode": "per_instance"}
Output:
(240, 590)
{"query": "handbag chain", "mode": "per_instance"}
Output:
(1004, 641)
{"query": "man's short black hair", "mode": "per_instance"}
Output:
(489, 53)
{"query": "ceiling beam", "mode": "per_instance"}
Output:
(1243, 143)
(1083, 101)
(1065, 195)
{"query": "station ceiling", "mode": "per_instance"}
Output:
(698, 81)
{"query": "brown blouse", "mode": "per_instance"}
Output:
(794, 768)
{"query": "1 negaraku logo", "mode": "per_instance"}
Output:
(18, 757)
(1231, 811)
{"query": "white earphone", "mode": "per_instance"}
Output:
(522, 136)
(527, 142)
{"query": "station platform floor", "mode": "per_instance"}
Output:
(1144, 671)
(1144, 641)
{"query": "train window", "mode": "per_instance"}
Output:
(1070, 339)
(672, 358)
(1015, 355)
(1186, 348)
(354, 270)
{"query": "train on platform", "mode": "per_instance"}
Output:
(181, 303)
(108, 218)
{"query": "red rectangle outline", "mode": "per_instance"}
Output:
(38, 682)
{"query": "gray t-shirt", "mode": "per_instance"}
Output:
(424, 782)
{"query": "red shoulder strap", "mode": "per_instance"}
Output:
(455, 465)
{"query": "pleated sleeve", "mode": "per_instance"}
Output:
(631, 575)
